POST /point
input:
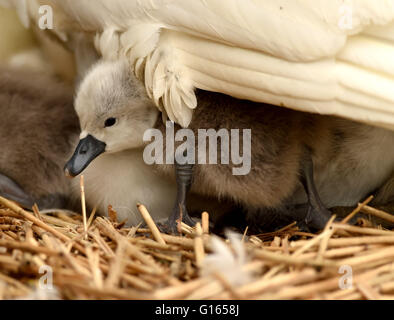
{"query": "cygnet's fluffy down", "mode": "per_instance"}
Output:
(38, 132)
(123, 180)
(297, 158)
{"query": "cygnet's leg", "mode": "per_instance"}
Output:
(317, 215)
(11, 190)
(184, 177)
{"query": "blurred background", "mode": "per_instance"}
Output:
(30, 48)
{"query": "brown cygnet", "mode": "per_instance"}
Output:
(38, 133)
(38, 128)
(298, 163)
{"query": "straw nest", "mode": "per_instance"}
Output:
(101, 259)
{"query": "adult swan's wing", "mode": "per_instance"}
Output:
(325, 56)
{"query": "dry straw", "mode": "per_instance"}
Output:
(102, 259)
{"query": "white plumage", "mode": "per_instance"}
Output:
(229, 263)
(324, 56)
(123, 180)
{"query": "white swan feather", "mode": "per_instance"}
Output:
(324, 56)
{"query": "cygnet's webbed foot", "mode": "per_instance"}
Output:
(11, 190)
(177, 215)
(309, 218)
(317, 217)
(184, 177)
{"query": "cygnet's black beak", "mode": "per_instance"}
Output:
(87, 150)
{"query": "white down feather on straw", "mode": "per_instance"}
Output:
(302, 54)
(227, 262)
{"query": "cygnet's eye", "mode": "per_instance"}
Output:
(110, 122)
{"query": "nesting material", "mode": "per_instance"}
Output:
(83, 205)
(47, 255)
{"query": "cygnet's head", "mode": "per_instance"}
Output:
(114, 113)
